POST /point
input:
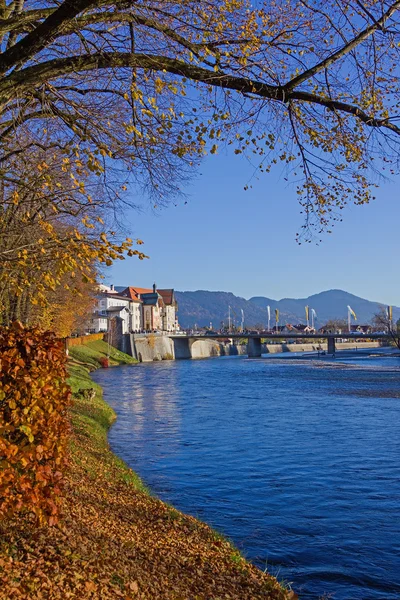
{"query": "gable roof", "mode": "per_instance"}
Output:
(150, 298)
(116, 309)
(139, 290)
(167, 295)
(134, 293)
(112, 295)
(140, 294)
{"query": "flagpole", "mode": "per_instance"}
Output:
(349, 320)
(390, 317)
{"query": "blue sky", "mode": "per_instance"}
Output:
(228, 239)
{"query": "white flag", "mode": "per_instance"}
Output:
(269, 312)
(351, 311)
(314, 314)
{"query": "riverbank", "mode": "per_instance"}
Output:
(115, 540)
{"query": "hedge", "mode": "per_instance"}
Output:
(34, 397)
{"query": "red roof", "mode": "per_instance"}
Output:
(134, 293)
(167, 295)
(139, 290)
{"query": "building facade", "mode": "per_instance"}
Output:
(141, 309)
(159, 308)
(110, 305)
(170, 310)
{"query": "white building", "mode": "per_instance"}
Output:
(109, 305)
(141, 309)
(159, 307)
(169, 311)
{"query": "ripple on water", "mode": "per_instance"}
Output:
(297, 461)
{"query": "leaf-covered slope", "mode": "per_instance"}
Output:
(116, 541)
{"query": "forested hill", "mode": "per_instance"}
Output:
(203, 307)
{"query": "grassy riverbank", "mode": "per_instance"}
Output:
(116, 540)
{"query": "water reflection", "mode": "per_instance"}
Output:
(148, 404)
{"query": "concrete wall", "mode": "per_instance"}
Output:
(207, 348)
(153, 347)
(276, 348)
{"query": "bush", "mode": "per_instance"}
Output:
(34, 397)
(105, 363)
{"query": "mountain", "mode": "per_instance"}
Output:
(203, 307)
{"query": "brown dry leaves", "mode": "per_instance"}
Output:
(117, 542)
(33, 422)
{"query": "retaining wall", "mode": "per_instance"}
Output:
(153, 347)
(312, 347)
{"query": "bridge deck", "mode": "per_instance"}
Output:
(279, 336)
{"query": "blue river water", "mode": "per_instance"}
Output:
(296, 461)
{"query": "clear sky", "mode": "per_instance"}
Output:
(228, 239)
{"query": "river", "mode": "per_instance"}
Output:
(296, 461)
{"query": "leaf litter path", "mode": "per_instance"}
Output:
(117, 541)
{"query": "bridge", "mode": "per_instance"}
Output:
(254, 339)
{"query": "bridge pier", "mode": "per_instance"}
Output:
(331, 345)
(254, 347)
(182, 347)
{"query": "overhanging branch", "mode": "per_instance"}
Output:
(31, 77)
(363, 35)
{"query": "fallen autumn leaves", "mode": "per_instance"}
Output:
(116, 541)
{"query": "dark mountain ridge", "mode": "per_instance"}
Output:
(203, 307)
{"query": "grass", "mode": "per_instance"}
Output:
(91, 353)
(92, 418)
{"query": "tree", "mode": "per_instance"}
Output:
(150, 86)
(382, 322)
(336, 326)
(68, 308)
(51, 234)
(97, 96)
